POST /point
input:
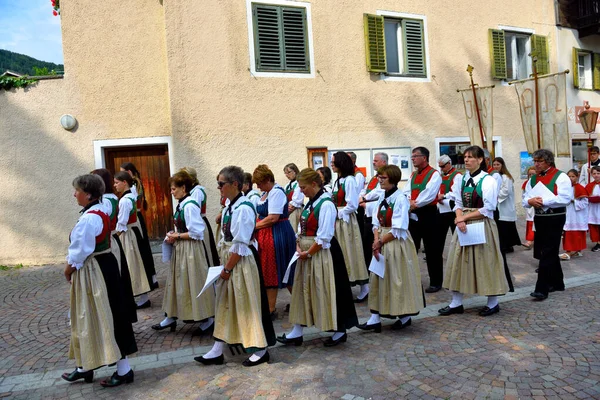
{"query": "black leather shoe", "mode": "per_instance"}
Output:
(357, 300)
(116, 380)
(485, 311)
(210, 361)
(88, 376)
(159, 327)
(538, 296)
(147, 304)
(396, 326)
(451, 310)
(265, 358)
(297, 341)
(433, 289)
(199, 332)
(553, 289)
(330, 342)
(373, 327)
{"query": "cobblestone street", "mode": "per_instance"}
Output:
(548, 349)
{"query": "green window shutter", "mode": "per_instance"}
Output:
(374, 43)
(280, 38)
(575, 68)
(539, 46)
(414, 47)
(497, 53)
(596, 65)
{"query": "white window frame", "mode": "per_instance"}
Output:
(400, 16)
(526, 31)
(588, 74)
(251, 47)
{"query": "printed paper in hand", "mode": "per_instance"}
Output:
(213, 274)
(475, 234)
(167, 250)
(378, 267)
(286, 277)
(540, 190)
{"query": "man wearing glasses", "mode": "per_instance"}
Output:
(584, 176)
(424, 216)
(550, 217)
(450, 179)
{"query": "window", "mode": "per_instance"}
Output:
(455, 149)
(280, 40)
(510, 54)
(396, 44)
(586, 69)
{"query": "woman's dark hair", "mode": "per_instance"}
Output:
(477, 152)
(124, 177)
(106, 177)
(130, 167)
(392, 171)
(573, 171)
(503, 170)
(343, 163)
(182, 178)
(248, 179)
(233, 174)
(326, 172)
(90, 184)
(293, 167)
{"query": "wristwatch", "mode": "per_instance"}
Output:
(227, 271)
(308, 255)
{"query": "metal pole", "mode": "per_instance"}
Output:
(470, 71)
(537, 103)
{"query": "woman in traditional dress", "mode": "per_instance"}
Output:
(198, 193)
(399, 294)
(576, 225)
(476, 269)
(325, 173)
(145, 250)
(101, 332)
(130, 235)
(242, 313)
(110, 202)
(529, 214)
(189, 262)
(321, 294)
(274, 234)
(252, 194)
(507, 213)
(294, 195)
(345, 196)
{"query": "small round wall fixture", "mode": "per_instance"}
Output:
(68, 121)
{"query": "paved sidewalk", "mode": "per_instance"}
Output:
(549, 349)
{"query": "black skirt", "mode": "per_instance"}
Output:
(264, 304)
(509, 236)
(128, 301)
(146, 254)
(346, 313)
(213, 245)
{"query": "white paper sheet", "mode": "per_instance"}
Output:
(475, 234)
(378, 267)
(213, 274)
(167, 251)
(286, 277)
(540, 190)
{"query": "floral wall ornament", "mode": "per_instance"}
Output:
(56, 7)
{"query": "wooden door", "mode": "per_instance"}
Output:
(153, 164)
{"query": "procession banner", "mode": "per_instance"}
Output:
(553, 113)
(485, 100)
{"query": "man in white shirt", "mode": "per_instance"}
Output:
(585, 175)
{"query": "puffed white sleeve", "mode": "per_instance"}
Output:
(194, 222)
(277, 200)
(83, 239)
(351, 190)
(526, 196)
(327, 217)
(489, 189)
(125, 206)
(505, 189)
(375, 217)
(243, 221)
(457, 194)
(400, 217)
(298, 197)
(431, 190)
(456, 182)
(581, 203)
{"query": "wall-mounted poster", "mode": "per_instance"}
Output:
(526, 162)
(317, 157)
(399, 156)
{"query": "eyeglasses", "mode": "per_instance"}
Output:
(539, 161)
(443, 165)
(417, 155)
(220, 184)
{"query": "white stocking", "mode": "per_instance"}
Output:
(492, 301)
(297, 331)
(141, 299)
(123, 366)
(404, 320)
(375, 319)
(167, 321)
(457, 299)
(205, 325)
(216, 350)
(364, 290)
(258, 355)
(337, 335)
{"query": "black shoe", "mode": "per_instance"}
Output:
(265, 358)
(159, 327)
(88, 376)
(297, 341)
(433, 289)
(330, 342)
(116, 380)
(358, 300)
(287, 308)
(596, 248)
(485, 311)
(147, 304)
(210, 361)
(396, 326)
(373, 327)
(451, 310)
(539, 296)
(199, 332)
(554, 289)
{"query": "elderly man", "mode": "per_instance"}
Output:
(422, 191)
(585, 175)
(450, 178)
(550, 217)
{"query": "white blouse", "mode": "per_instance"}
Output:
(83, 236)
(125, 207)
(399, 214)
(193, 220)
(243, 221)
(360, 180)
(351, 191)
(327, 217)
(253, 196)
(106, 203)
(564, 189)
(277, 200)
(373, 198)
(506, 200)
(297, 197)
(444, 204)
(489, 189)
(594, 208)
(197, 194)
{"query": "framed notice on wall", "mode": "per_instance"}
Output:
(317, 157)
(399, 156)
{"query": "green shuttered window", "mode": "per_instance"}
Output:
(586, 69)
(280, 39)
(509, 54)
(539, 47)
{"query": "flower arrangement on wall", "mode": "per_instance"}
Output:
(56, 7)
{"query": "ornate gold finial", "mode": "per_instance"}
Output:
(470, 69)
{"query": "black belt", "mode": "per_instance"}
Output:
(551, 211)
